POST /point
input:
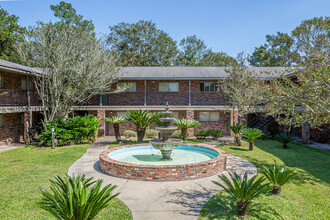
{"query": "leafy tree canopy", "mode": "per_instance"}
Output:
(10, 33)
(141, 44)
(68, 16)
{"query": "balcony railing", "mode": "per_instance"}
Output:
(9, 97)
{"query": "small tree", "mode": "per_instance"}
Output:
(116, 121)
(285, 139)
(185, 124)
(237, 130)
(76, 197)
(242, 189)
(141, 119)
(252, 134)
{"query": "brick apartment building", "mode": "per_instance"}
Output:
(191, 92)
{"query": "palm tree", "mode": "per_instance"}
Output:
(237, 130)
(116, 121)
(76, 197)
(278, 177)
(184, 124)
(141, 119)
(284, 139)
(242, 189)
(252, 134)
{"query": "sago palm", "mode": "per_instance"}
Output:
(141, 119)
(285, 139)
(242, 189)
(76, 198)
(278, 176)
(251, 134)
(116, 121)
(237, 130)
(185, 124)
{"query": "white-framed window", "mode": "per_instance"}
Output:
(209, 87)
(2, 83)
(131, 86)
(2, 121)
(24, 84)
(209, 116)
(168, 86)
(121, 114)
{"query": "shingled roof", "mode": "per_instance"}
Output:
(6, 65)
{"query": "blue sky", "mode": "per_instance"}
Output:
(231, 26)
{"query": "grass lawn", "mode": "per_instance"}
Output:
(24, 170)
(306, 196)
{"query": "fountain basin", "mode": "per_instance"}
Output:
(142, 162)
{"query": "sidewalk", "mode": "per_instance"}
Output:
(4, 148)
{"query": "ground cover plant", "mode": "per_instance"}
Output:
(305, 196)
(24, 170)
(77, 130)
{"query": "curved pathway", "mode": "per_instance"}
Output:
(158, 200)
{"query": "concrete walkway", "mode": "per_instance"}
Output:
(12, 146)
(314, 144)
(158, 200)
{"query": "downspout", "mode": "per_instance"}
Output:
(145, 92)
(189, 92)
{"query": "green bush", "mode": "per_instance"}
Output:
(202, 134)
(151, 133)
(215, 133)
(176, 134)
(77, 130)
(129, 134)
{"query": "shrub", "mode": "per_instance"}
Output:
(151, 133)
(242, 189)
(77, 130)
(129, 134)
(252, 134)
(76, 197)
(202, 134)
(215, 133)
(237, 130)
(277, 176)
(284, 139)
(176, 134)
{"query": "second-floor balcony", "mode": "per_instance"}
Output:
(10, 97)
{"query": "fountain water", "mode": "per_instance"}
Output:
(165, 144)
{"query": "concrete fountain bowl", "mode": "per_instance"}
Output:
(166, 147)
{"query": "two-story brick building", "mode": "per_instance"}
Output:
(19, 102)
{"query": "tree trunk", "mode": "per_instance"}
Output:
(242, 207)
(238, 139)
(117, 133)
(251, 144)
(285, 146)
(140, 133)
(183, 134)
(276, 189)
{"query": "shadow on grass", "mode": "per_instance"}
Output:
(240, 149)
(222, 206)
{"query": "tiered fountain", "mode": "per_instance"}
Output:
(165, 144)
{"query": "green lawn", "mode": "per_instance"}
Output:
(24, 170)
(307, 196)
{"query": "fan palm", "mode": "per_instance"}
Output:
(141, 119)
(75, 198)
(237, 130)
(284, 139)
(185, 124)
(242, 189)
(252, 134)
(116, 121)
(278, 176)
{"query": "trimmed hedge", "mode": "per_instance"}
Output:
(129, 134)
(77, 130)
(151, 133)
(214, 133)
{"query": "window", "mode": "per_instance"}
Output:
(121, 114)
(131, 86)
(209, 87)
(1, 121)
(103, 99)
(1, 82)
(24, 84)
(168, 87)
(175, 114)
(209, 116)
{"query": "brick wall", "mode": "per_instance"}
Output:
(13, 128)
